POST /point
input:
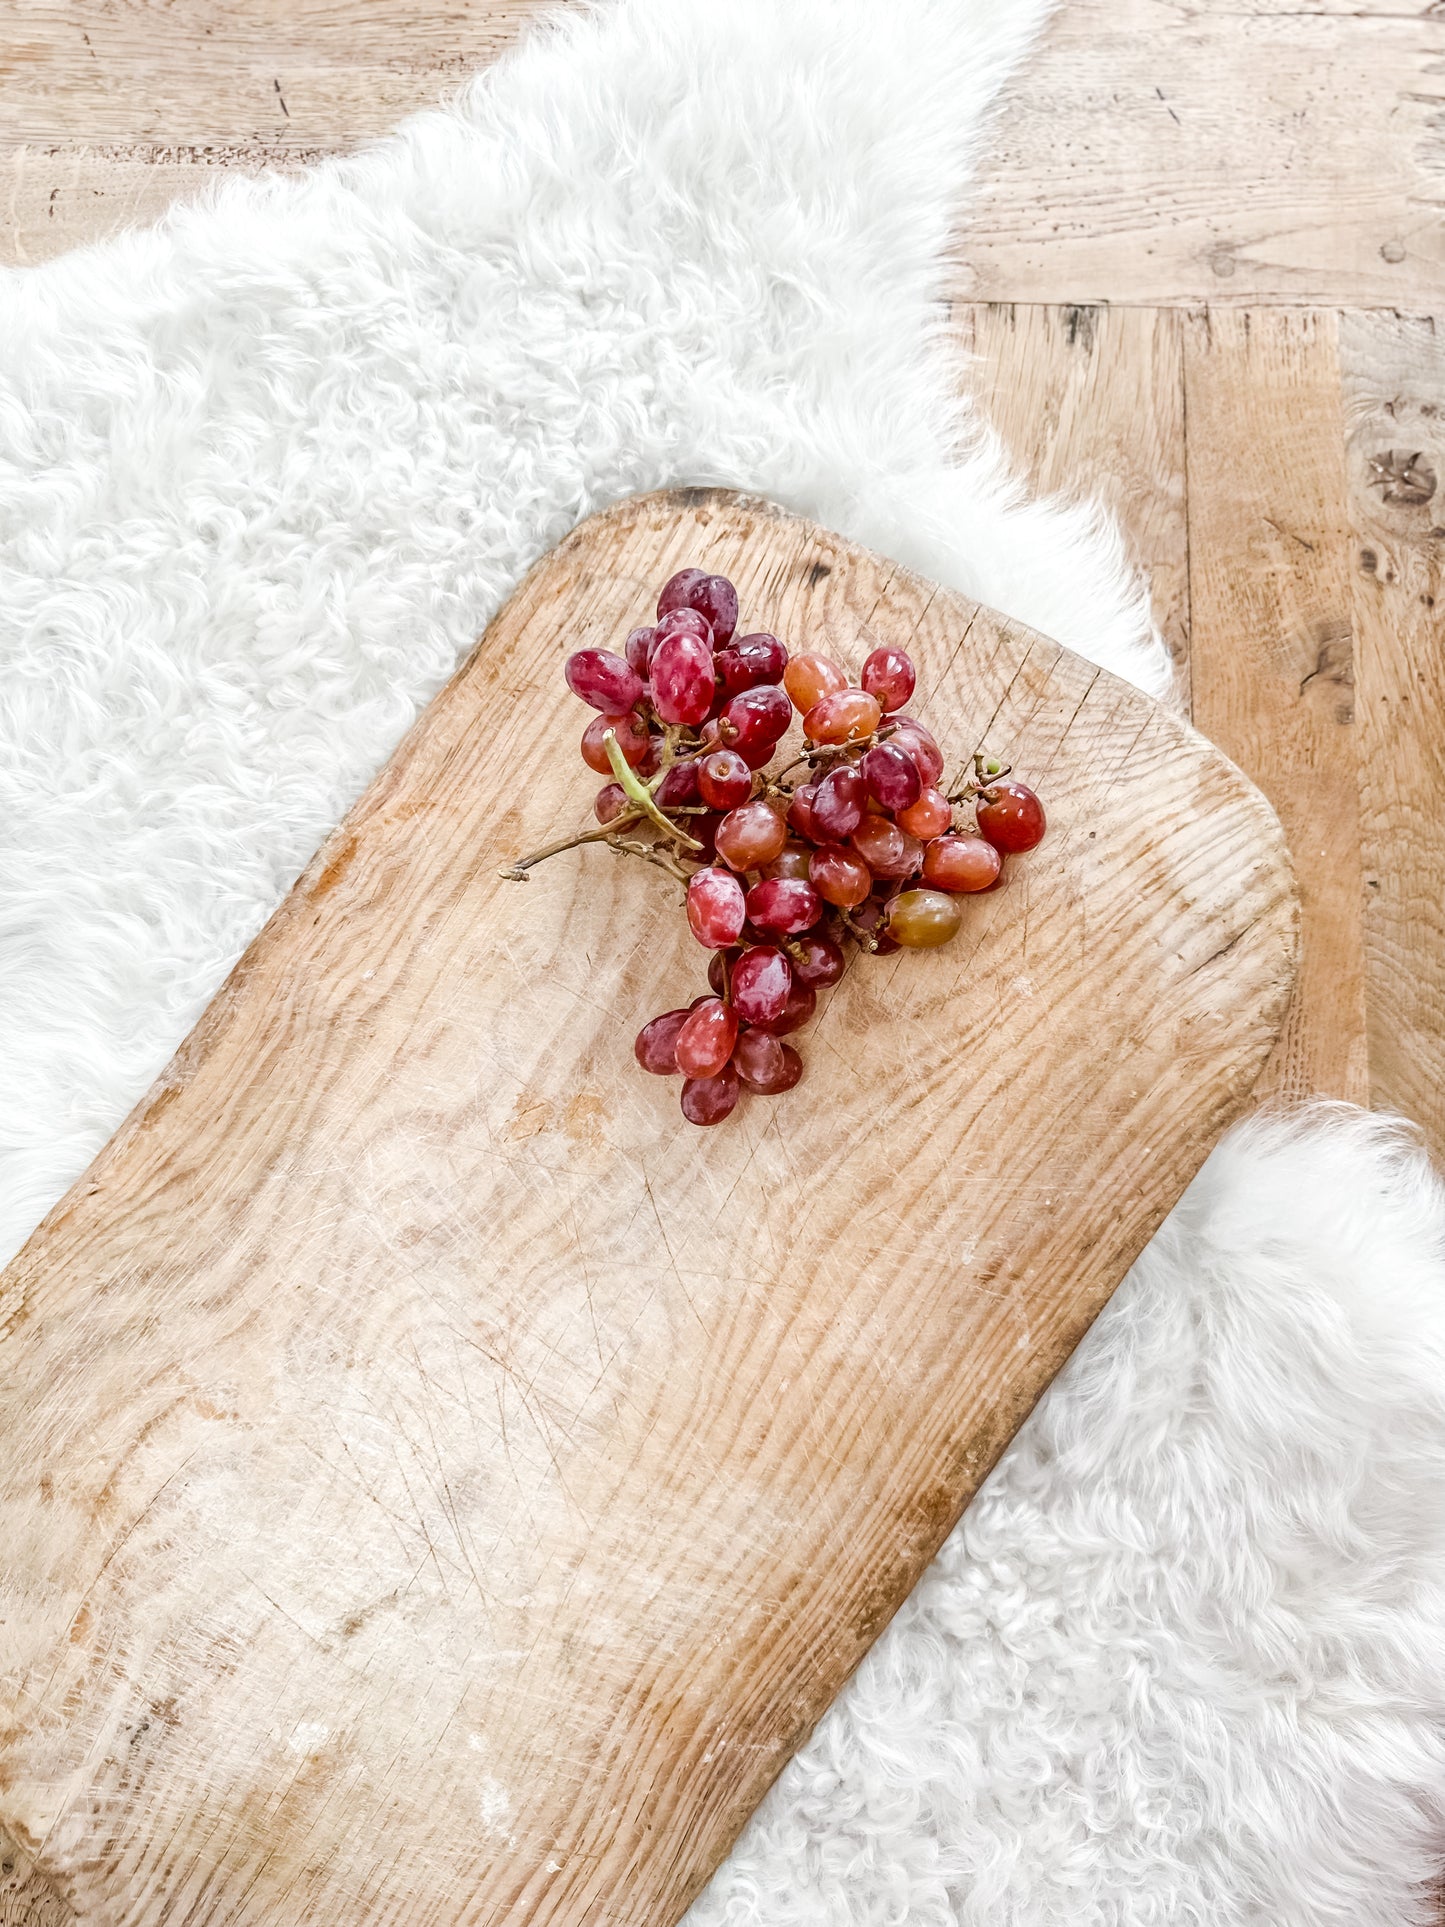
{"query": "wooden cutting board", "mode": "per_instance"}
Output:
(439, 1486)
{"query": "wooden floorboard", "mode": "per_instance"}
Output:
(1393, 380)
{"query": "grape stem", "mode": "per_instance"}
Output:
(650, 853)
(639, 795)
(517, 872)
(986, 771)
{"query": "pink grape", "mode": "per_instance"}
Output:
(605, 681)
(679, 622)
(656, 1046)
(845, 717)
(632, 739)
(638, 650)
(715, 908)
(816, 960)
(761, 982)
(708, 1100)
(892, 777)
(755, 718)
(930, 816)
(783, 904)
(889, 675)
(961, 863)
(888, 851)
(705, 1042)
(751, 836)
(809, 678)
(712, 596)
(682, 679)
(758, 1059)
(724, 779)
(610, 803)
(765, 1065)
(800, 811)
(791, 861)
(920, 743)
(1011, 816)
(790, 1069)
(838, 805)
(840, 876)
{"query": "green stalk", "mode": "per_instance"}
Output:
(637, 792)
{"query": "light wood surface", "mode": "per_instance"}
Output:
(441, 1486)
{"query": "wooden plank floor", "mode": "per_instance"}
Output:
(1203, 276)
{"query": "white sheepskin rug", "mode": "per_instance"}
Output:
(264, 475)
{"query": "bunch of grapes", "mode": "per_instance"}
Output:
(853, 846)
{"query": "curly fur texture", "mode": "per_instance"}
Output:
(266, 471)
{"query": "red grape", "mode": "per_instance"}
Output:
(656, 1046)
(929, 816)
(839, 876)
(682, 679)
(889, 675)
(705, 1042)
(800, 810)
(961, 863)
(797, 1011)
(888, 851)
(910, 735)
(678, 622)
(847, 716)
(711, 595)
(749, 661)
(791, 861)
(922, 919)
(708, 1100)
(755, 718)
(765, 1065)
(761, 982)
(784, 904)
(638, 650)
(816, 960)
(838, 805)
(610, 803)
(751, 836)
(718, 966)
(605, 681)
(892, 777)
(1011, 817)
(632, 739)
(724, 779)
(715, 908)
(869, 917)
(808, 679)
(758, 1058)
(678, 787)
(703, 830)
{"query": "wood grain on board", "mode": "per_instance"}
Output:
(1393, 376)
(439, 1484)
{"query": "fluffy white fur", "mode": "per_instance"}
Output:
(264, 474)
